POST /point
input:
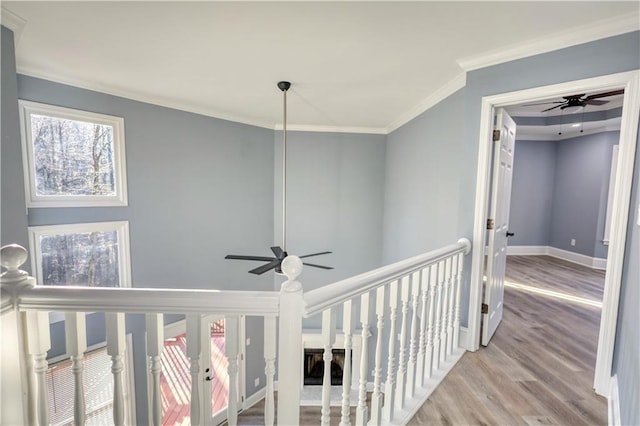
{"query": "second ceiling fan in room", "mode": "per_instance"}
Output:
(280, 253)
(580, 100)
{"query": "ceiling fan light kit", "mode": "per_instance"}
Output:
(280, 253)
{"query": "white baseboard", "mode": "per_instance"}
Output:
(463, 338)
(527, 250)
(569, 256)
(614, 402)
(252, 400)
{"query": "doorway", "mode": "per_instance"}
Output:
(630, 82)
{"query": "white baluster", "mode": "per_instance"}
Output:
(438, 318)
(231, 333)
(433, 279)
(194, 352)
(76, 341)
(422, 343)
(347, 329)
(270, 368)
(401, 389)
(365, 318)
(445, 304)
(290, 344)
(376, 397)
(12, 329)
(115, 349)
(38, 343)
(328, 340)
(155, 344)
(452, 298)
(413, 338)
(456, 322)
(390, 385)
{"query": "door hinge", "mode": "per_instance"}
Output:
(485, 308)
(490, 224)
(241, 357)
(496, 135)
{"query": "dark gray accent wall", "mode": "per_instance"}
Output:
(583, 166)
(13, 213)
(422, 187)
(532, 193)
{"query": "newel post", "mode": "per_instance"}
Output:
(290, 344)
(14, 388)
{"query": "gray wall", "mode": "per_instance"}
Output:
(627, 351)
(583, 165)
(422, 187)
(560, 193)
(532, 193)
(335, 192)
(188, 193)
(12, 211)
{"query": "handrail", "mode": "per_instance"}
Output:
(148, 300)
(318, 300)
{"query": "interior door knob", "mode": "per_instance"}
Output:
(510, 234)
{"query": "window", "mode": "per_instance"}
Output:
(87, 254)
(72, 158)
(98, 388)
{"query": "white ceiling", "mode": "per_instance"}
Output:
(360, 66)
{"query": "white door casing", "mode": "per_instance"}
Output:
(630, 82)
(503, 150)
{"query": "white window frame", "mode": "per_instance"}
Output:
(121, 228)
(27, 108)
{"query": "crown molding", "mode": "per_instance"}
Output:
(13, 22)
(154, 100)
(452, 86)
(579, 35)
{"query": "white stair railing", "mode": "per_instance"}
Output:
(417, 298)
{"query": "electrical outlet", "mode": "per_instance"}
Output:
(257, 381)
(248, 341)
(573, 242)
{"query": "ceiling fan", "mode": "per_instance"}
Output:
(580, 100)
(279, 252)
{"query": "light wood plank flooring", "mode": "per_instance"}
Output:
(538, 368)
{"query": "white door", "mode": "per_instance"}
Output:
(221, 341)
(498, 224)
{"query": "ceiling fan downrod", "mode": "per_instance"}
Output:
(284, 86)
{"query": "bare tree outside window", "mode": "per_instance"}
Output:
(88, 259)
(72, 157)
(83, 254)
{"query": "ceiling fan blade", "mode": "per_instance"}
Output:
(239, 257)
(549, 109)
(266, 267)
(544, 103)
(315, 254)
(604, 94)
(595, 102)
(317, 266)
(277, 251)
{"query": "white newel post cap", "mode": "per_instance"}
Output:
(292, 267)
(12, 256)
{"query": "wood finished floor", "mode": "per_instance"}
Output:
(538, 368)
